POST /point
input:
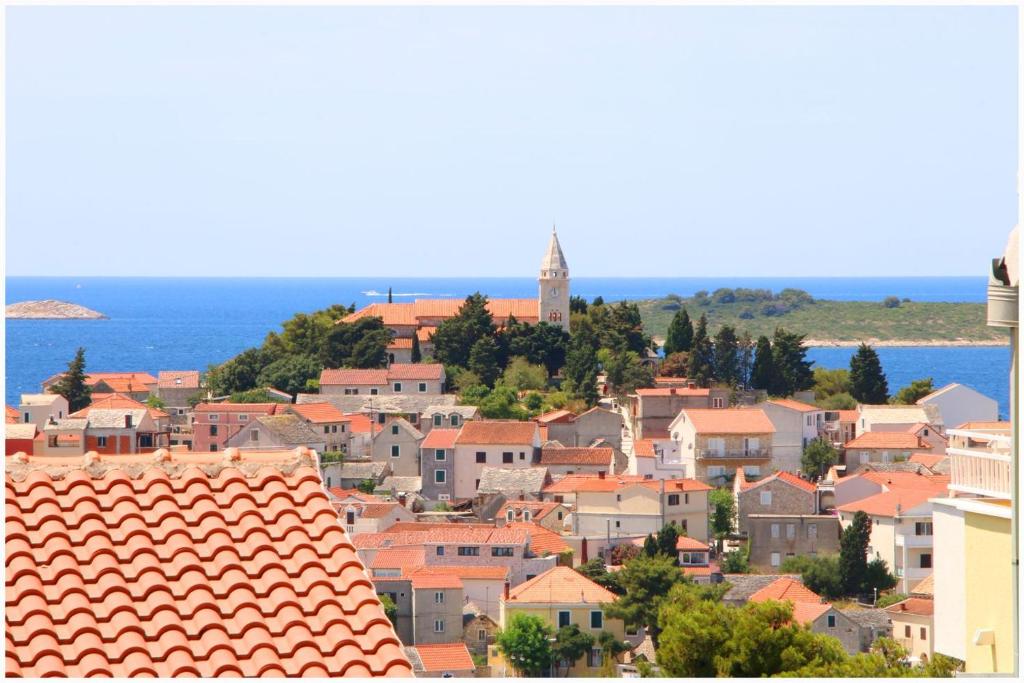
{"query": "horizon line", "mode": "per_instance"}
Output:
(503, 277)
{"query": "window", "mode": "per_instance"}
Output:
(101, 442)
(791, 531)
(476, 485)
(510, 515)
(381, 418)
(398, 387)
(373, 392)
(560, 515)
(926, 432)
(328, 481)
(618, 497)
(438, 597)
(526, 515)
(618, 524)
(327, 429)
(922, 528)
(776, 559)
(481, 634)
(469, 550)
(752, 470)
(716, 471)
(439, 454)
(502, 552)
(350, 517)
(673, 499)
(438, 625)
(595, 657)
(564, 618)
(440, 550)
(28, 417)
(423, 387)
(775, 530)
(481, 456)
(395, 451)
(686, 499)
(831, 621)
(685, 525)
(596, 619)
(443, 496)
(254, 435)
(766, 497)
(810, 420)
(718, 402)
(437, 419)
(455, 420)
(906, 631)
(243, 417)
(926, 561)
(213, 448)
(214, 417)
(522, 455)
(213, 430)
(439, 476)
(506, 458)
(924, 633)
(865, 457)
(394, 430)
(181, 411)
(632, 630)
(812, 531)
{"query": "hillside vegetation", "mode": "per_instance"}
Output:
(761, 311)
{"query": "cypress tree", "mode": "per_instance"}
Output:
(72, 385)
(650, 546)
(727, 357)
(668, 537)
(581, 366)
(389, 295)
(792, 372)
(867, 381)
(853, 553)
(702, 355)
(416, 356)
(680, 333)
(762, 373)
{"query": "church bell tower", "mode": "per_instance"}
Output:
(554, 285)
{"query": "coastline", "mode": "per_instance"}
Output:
(886, 343)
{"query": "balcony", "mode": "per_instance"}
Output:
(983, 469)
(913, 573)
(912, 541)
(741, 454)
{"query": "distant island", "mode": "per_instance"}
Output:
(891, 322)
(51, 309)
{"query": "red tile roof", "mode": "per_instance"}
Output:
(920, 606)
(591, 483)
(122, 382)
(793, 404)
(929, 460)
(11, 415)
(575, 456)
(411, 313)
(786, 477)
(354, 493)
(787, 589)
(424, 333)
(644, 448)
(378, 510)
(465, 571)
(425, 581)
(848, 415)
(318, 413)
(687, 543)
(115, 401)
(400, 343)
(253, 408)
(542, 541)
(445, 657)
(560, 585)
(178, 379)
(353, 376)
(894, 440)
(558, 416)
(415, 371)
(191, 564)
(359, 423)
(905, 480)
(497, 432)
(538, 509)
(397, 558)
(440, 438)
(729, 420)
(886, 504)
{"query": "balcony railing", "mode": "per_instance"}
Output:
(743, 453)
(912, 541)
(981, 471)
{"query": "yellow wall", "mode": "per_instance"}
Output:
(916, 647)
(989, 584)
(580, 616)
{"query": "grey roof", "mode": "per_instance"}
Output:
(76, 423)
(554, 259)
(113, 418)
(870, 617)
(402, 484)
(289, 429)
(406, 427)
(902, 414)
(512, 481)
(941, 467)
(381, 404)
(745, 585)
(20, 431)
(414, 659)
(904, 466)
(364, 470)
(468, 412)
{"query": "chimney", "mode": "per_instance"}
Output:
(128, 421)
(691, 385)
(401, 499)
(506, 590)
(672, 391)
(522, 497)
(600, 475)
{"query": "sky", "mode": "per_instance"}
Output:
(417, 141)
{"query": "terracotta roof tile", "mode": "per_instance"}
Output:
(426, 581)
(728, 420)
(411, 313)
(793, 404)
(415, 371)
(440, 438)
(575, 456)
(929, 460)
(886, 503)
(807, 612)
(644, 448)
(397, 558)
(11, 415)
(497, 432)
(894, 440)
(122, 382)
(318, 412)
(560, 585)
(424, 333)
(443, 657)
(178, 379)
(253, 408)
(379, 510)
(542, 541)
(926, 587)
(176, 564)
(905, 480)
(786, 589)
(353, 376)
(559, 416)
(848, 415)
(538, 509)
(465, 571)
(687, 543)
(400, 343)
(787, 477)
(920, 606)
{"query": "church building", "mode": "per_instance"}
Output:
(422, 316)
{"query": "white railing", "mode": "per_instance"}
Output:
(912, 541)
(741, 453)
(980, 473)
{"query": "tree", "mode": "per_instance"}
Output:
(746, 358)
(829, 382)
(726, 355)
(702, 355)
(668, 538)
(646, 582)
(416, 356)
(623, 553)
(390, 609)
(524, 644)
(483, 360)
(818, 456)
(820, 573)
(238, 373)
(625, 370)
(359, 344)
(540, 344)
(289, 374)
(596, 571)
(736, 561)
(522, 376)
(72, 384)
(675, 364)
(260, 395)
(763, 373)
(917, 389)
(581, 366)
(577, 304)
(367, 486)
(793, 372)
(853, 553)
(611, 648)
(455, 337)
(650, 546)
(501, 404)
(841, 401)
(891, 302)
(570, 645)
(156, 402)
(877, 576)
(723, 512)
(693, 632)
(867, 381)
(680, 333)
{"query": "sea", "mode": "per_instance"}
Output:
(191, 323)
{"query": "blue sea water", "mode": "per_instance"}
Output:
(190, 323)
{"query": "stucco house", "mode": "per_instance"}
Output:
(776, 537)
(959, 403)
(562, 460)
(398, 444)
(713, 444)
(652, 410)
(277, 431)
(437, 464)
(325, 419)
(492, 443)
(883, 447)
(810, 609)
(796, 424)
(573, 430)
(780, 493)
(38, 409)
(414, 379)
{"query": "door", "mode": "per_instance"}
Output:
(751, 446)
(716, 447)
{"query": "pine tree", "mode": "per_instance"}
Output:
(867, 381)
(416, 356)
(72, 385)
(762, 373)
(727, 356)
(668, 537)
(581, 366)
(793, 373)
(650, 546)
(702, 355)
(680, 333)
(853, 553)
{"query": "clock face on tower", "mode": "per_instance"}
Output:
(554, 291)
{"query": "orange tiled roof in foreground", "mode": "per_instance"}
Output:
(560, 585)
(729, 420)
(177, 563)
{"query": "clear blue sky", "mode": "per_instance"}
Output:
(444, 141)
